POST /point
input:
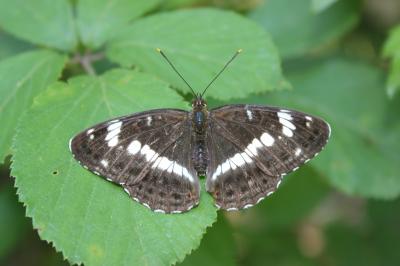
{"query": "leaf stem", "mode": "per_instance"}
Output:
(86, 61)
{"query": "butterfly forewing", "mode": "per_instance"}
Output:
(251, 147)
(148, 154)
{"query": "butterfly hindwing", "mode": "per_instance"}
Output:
(251, 147)
(148, 154)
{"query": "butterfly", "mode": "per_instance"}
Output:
(243, 150)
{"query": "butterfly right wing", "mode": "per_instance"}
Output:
(251, 147)
(148, 154)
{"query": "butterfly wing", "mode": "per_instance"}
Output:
(251, 147)
(148, 154)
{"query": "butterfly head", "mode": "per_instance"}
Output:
(199, 103)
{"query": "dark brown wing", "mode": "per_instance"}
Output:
(251, 147)
(148, 154)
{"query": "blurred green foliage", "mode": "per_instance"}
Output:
(65, 65)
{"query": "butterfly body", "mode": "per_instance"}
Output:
(199, 116)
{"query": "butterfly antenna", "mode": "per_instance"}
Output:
(176, 71)
(222, 70)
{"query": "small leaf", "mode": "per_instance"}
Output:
(43, 22)
(90, 220)
(392, 50)
(200, 42)
(321, 5)
(22, 77)
(9, 45)
(296, 30)
(362, 155)
(217, 247)
(97, 20)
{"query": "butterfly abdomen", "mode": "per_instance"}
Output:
(199, 157)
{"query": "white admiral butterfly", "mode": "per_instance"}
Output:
(244, 150)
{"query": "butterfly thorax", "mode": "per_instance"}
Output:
(199, 117)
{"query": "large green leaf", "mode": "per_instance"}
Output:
(89, 219)
(22, 77)
(200, 42)
(362, 156)
(392, 50)
(297, 29)
(97, 20)
(44, 22)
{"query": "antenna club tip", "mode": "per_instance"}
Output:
(240, 50)
(158, 50)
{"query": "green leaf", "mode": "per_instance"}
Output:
(392, 50)
(97, 20)
(362, 156)
(10, 45)
(13, 224)
(177, 4)
(200, 47)
(321, 5)
(217, 247)
(297, 30)
(22, 77)
(90, 220)
(43, 22)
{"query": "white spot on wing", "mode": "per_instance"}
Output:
(287, 123)
(297, 152)
(309, 118)
(90, 131)
(113, 142)
(104, 163)
(285, 116)
(134, 147)
(69, 145)
(249, 114)
(267, 139)
(149, 119)
(113, 131)
(225, 167)
(165, 164)
(148, 153)
(287, 131)
(159, 211)
(91, 136)
(232, 209)
(113, 126)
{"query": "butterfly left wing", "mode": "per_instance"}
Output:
(148, 154)
(251, 147)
